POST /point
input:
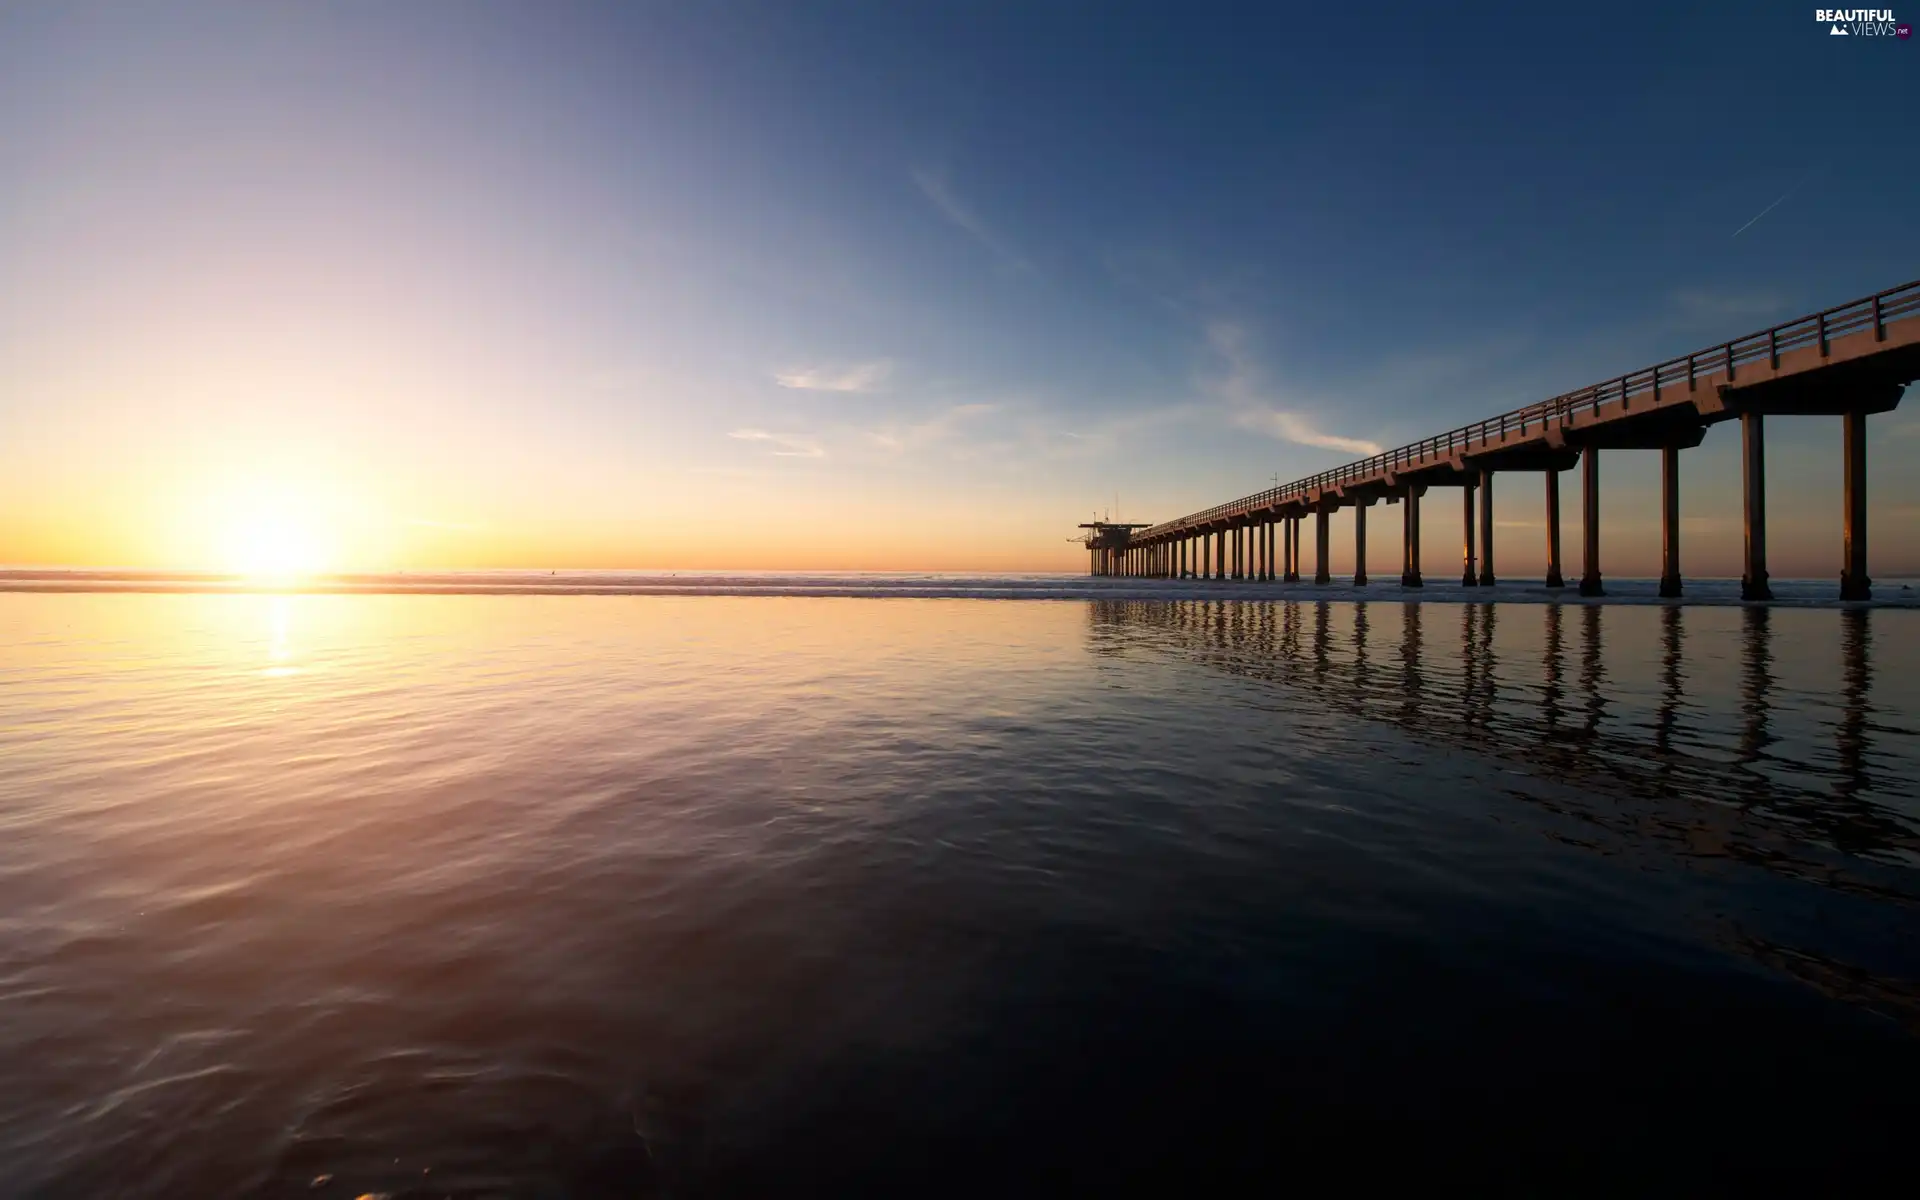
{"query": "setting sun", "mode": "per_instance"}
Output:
(275, 543)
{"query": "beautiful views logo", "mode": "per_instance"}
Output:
(1861, 22)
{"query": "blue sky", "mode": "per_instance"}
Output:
(894, 285)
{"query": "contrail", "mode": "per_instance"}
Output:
(1776, 204)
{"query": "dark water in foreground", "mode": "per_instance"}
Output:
(628, 896)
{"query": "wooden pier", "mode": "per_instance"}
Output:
(1849, 362)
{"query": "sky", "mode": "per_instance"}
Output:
(900, 286)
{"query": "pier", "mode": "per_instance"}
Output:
(1849, 362)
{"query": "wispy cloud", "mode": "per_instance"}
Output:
(786, 445)
(933, 184)
(858, 377)
(461, 526)
(1242, 390)
(939, 428)
(1708, 305)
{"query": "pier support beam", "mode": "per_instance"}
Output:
(1670, 521)
(1220, 554)
(1272, 545)
(1410, 553)
(1753, 485)
(1590, 523)
(1486, 529)
(1320, 573)
(1467, 577)
(1290, 568)
(1854, 584)
(1553, 531)
(1360, 543)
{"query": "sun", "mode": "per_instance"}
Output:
(273, 542)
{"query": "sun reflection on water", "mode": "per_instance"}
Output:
(279, 647)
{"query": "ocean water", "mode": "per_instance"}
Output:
(604, 895)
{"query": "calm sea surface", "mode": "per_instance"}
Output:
(641, 895)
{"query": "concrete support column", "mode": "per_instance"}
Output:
(1669, 521)
(1553, 531)
(1360, 544)
(1467, 576)
(1854, 584)
(1590, 523)
(1287, 572)
(1320, 574)
(1410, 538)
(1753, 484)
(1486, 529)
(1271, 541)
(1299, 535)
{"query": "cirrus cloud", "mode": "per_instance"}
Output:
(785, 445)
(857, 377)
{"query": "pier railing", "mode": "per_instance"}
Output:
(1715, 364)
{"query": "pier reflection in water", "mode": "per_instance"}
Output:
(1763, 735)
